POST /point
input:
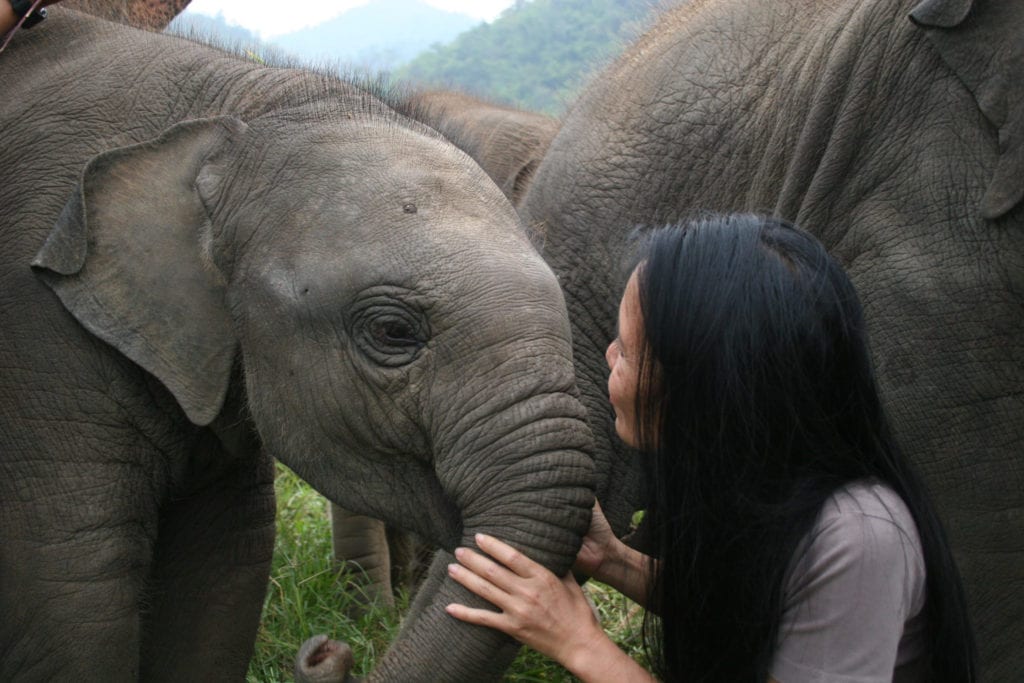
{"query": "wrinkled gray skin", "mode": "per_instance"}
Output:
(508, 144)
(893, 130)
(222, 273)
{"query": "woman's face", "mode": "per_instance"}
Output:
(623, 357)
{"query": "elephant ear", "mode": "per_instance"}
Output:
(129, 259)
(982, 43)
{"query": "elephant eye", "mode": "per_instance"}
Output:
(397, 333)
(388, 331)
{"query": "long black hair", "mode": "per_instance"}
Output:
(758, 401)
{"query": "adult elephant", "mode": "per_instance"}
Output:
(207, 262)
(894, 130)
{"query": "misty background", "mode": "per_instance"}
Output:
(536, 55)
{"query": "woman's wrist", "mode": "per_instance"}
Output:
(611, 562)
(626, 570)
(600, 660)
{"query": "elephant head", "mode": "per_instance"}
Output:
(508, 144)
(371, 296)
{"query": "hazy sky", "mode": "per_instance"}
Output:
(273, 17)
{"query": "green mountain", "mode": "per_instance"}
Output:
(536, 54)
(211, 28)
(378, 35)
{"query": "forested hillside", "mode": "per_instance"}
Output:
(537, 54)
(379, 35)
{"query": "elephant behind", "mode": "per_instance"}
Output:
(209, 262)
(893, 130)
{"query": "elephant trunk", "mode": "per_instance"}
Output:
(532, 487)
(517, 468)
(532, 484)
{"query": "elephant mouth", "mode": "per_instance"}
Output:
(426, 509)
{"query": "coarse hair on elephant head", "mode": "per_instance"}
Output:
(270, 262)
(506, 141)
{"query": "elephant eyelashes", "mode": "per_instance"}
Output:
(388, 332)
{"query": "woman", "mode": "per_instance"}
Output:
(795, 543)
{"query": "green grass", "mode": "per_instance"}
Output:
(308, 595)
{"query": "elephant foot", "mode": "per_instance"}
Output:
(322, 660)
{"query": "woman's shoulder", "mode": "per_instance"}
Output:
(865, 529)
(868, 502)
(854, 590)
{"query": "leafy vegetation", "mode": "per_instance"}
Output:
(308, 595)
(536, 54)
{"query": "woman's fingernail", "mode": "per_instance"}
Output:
(459, 552)
(452, 568)
(479, 537)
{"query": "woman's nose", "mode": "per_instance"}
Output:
(609, 356)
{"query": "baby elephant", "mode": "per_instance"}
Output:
(233, 262)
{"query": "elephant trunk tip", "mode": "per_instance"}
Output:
(322, 660)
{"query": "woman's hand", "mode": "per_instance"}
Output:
(599, 545)
(538, 609)
(605, 558)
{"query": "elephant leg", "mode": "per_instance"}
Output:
(410, 558)
(210, 574)
(73, 561)
(363, 541)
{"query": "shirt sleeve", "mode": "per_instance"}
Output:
(851, 589)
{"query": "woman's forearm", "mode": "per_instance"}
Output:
(627, 571)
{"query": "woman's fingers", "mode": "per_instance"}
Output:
(481, 617)
(536, 607)
(519, 563)
(477, 577)
(494, 571)
(504, 581)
